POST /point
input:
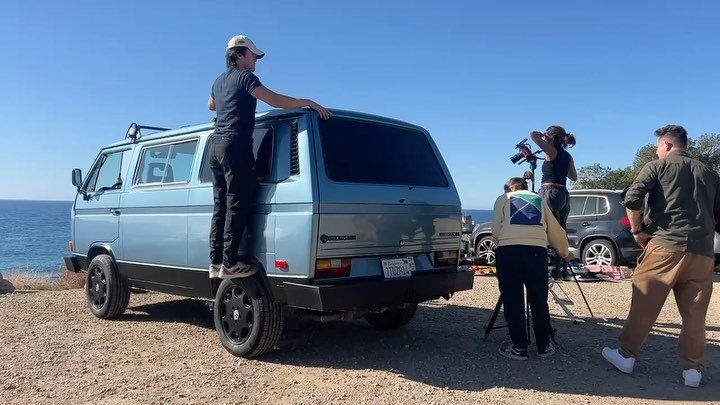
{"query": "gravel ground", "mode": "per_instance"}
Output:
(165, 350)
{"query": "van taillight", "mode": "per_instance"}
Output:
(331, 268)
(446, 258)
(625, 221)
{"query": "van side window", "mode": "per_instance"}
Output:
(263, 150)
(166, 163)
(109, 171)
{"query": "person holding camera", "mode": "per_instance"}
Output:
(556, 169)
(523, 227)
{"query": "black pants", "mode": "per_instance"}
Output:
(234, 189)
(519, 265)
(557, 199)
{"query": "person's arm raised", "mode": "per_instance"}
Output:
(546, 146)
(281, 101)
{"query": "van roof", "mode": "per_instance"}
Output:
(261, 116)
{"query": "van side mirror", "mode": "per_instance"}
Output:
(77, 181)
(77, 178)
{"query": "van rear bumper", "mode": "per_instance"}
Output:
(373, 294)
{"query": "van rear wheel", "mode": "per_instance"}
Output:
(106, 292)
(248, 321)
(393, 318)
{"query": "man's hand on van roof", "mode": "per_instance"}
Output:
(282, 101)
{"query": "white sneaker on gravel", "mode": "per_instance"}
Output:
(237, 271)
(622, 363)
(215, 270)
(692, 377)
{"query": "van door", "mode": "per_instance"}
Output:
(153, 220)
(385, 196)
(96, 214)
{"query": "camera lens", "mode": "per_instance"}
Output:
(516, 157)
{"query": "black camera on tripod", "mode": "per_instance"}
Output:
(520, 157)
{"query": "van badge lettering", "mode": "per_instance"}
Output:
(337, 238)
(449, 234)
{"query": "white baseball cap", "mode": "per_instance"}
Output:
(242, 41)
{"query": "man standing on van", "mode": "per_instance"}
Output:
(234, 97)
(682, 207)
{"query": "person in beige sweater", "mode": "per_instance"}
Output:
(523, 227)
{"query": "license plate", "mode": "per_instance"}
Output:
(398, 268)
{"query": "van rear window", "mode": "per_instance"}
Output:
(368, 152)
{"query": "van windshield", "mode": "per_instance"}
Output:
(370, 152)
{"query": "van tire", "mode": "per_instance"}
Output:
(248, 301)
(393, 318)
(106, 291)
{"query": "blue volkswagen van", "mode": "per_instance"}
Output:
(356, 216)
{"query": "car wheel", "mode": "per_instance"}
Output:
(485, 251)
(717, 261)
(248, 321)
(393, 318)
(599, 252)
(106, 292)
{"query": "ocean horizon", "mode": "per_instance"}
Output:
(34, 235)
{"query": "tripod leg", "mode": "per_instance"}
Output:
(490, 326)
(561, 303)
(565, 264)
(527, 318)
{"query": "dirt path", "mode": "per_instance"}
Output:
(165, 350)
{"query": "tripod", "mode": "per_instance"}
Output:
(551, 283)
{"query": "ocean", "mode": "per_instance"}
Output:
(34, 235)
(479, 216)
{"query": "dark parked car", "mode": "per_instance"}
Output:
(598, 231)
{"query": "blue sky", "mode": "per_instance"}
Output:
(478, 75)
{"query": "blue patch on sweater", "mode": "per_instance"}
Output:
(525, 210)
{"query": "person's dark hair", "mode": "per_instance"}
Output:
(675, 134)
(232, 54)
(518, 182)
(561, 139)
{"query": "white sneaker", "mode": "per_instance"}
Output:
(237, 271)
(692, 377)
(215, 270)
(622, 363)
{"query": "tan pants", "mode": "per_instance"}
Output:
(690, 277)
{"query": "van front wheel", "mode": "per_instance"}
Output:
(248, 321)
(393, 318)
(107, 293)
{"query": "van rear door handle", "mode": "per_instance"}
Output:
(585, 224)
(115, 212)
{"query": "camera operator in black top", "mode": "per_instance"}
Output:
(556, 169)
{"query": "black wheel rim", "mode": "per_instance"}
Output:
(97, 287)
(236, 314)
